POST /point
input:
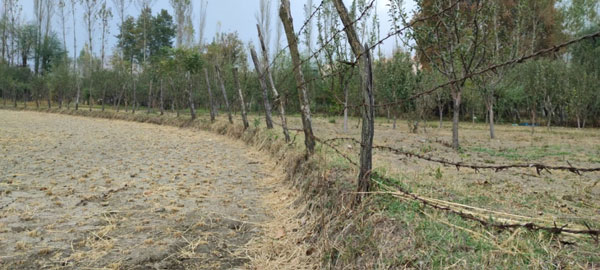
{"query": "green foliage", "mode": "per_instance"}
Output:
(159, 32)
(438, 173)
(256, 122)
(524, 153)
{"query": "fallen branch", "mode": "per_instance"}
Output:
(488, 221)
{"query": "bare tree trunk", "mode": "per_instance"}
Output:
(286, 18)
(441, 112)
(491, 118)
(263, 86)
(78, 92)
(220, 79)
(190, 96)
(148, 109)
(14, 96)
(118, 104)
(532, 121)
(456, 96)
(210, 97)
(104, 95)
(345, 108)
(133, 104)
(366, 76)
(242, 104)
(90, 98)
(49, 98)
(286, 133)
(162, 101)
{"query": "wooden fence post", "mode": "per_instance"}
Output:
(220, 80)
(366, 77)
(288, 25)
(210, 97)
(276, 95)
(263, 86)
(242, 104)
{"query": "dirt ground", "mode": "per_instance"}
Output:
(82, 193)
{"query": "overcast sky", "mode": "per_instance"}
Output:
(228, 15)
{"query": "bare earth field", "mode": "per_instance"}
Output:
(83, 193)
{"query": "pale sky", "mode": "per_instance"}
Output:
(231, 15)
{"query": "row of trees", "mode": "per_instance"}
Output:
(158, 64)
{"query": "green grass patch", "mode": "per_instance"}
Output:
(524, 153)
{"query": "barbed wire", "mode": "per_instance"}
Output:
(493, 67)
(327, 42)
(468, 212)
(304, 25)
(476, 167)
(406, 27)
(355, 62)
(439, 86)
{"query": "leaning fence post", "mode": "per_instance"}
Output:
(366, 76)
(368, 125)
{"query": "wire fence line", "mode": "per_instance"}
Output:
(463, 211)
(476, 167)
(485, 217)
(304, 25)
(490, 68)
(327, 42)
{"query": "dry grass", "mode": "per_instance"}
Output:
(129, 196)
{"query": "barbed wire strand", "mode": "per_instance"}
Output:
(476, 167)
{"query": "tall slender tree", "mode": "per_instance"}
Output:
(90, 9)
(366, 77)
(222, 84)
(454, 43)
(74, 4)
(105, 15)
(267, 73)
(263, 87)
(145, 7)
(202, 23)
(286, 18)
(182, 10)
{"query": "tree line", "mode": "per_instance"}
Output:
(161, 61)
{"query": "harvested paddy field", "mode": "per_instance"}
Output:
(83, 193)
